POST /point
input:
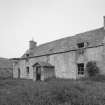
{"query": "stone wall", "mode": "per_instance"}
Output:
(96, 54)
(65, 63)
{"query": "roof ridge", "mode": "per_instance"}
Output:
(76, 35)
(94, 36)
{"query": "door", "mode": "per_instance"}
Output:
(38, 73)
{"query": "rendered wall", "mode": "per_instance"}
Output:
(15, 70)
(91, 54)
(96, 54)
(32, 61)
(64, 63)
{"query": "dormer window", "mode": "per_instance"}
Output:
(80, 45)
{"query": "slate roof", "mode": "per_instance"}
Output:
(93, 37)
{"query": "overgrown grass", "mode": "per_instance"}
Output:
(53, 92)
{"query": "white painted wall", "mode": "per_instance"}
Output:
(65, 63)
(96, 54)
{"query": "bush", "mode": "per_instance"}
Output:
(92, 68)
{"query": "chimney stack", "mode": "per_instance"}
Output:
(32, 44)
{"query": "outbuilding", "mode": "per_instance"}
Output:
(43, 71)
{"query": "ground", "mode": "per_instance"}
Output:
(52, 92)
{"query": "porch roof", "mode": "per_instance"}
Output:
(42, 64)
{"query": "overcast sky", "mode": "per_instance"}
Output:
(45, 20)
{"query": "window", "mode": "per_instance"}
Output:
(80, 68)
(27, 55)
(27, 70)
(80, 45)
(81, 51)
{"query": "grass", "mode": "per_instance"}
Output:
(52, 92)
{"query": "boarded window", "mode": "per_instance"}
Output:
(80, 68)
(27, 70)
(80, 45)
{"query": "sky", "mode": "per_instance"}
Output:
(45, 21)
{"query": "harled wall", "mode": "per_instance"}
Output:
(65, 63)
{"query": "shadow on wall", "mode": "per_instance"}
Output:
(92, 68)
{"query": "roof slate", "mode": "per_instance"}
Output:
(94, 38)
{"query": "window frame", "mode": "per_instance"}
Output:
(81, 45)
(81, 70)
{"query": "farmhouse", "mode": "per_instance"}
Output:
(63, 58)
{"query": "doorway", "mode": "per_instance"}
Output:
(38, 73)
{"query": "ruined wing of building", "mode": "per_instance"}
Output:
(63, 58)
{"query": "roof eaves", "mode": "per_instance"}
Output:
(101, 44)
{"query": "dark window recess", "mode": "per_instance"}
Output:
(27, 70)
(80, 45)
(80, 68)
(27, 55)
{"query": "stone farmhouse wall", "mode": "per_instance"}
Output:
(65, 63)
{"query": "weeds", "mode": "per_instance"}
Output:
(54, 92)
